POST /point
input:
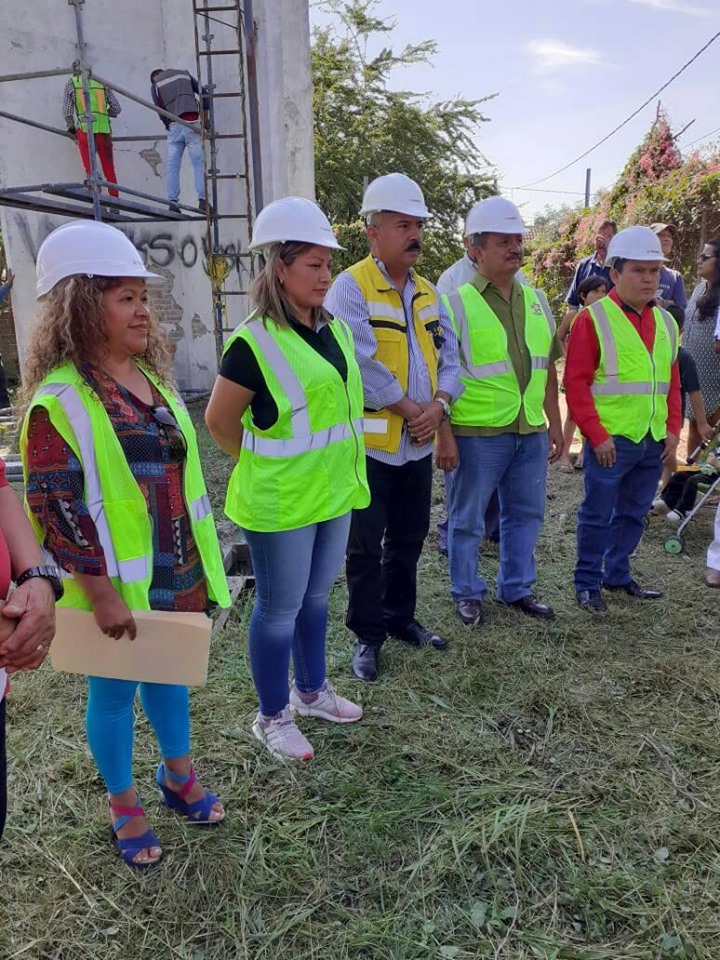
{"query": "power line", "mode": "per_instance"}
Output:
(574, 193)
(627, 119)
(716, 130)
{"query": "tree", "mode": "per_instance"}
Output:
(364, 129)
(656, 185)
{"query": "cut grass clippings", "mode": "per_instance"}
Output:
(538, 791)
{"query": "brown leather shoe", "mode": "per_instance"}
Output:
(712, 577)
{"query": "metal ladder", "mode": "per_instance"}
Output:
(233, 24)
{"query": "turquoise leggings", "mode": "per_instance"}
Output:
(110, 724)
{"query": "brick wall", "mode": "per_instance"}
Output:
(8, 343)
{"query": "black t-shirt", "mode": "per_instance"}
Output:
(689, 382)
(240, 365)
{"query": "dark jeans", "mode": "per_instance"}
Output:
(611, 518)
(3, 770)
(384, 546)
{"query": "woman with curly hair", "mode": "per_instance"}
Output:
(115, 492)
(698, 338)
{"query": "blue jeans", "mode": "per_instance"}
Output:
(492, 518)
(180, 137)
(110, 724)
(516, 466)
(611, 518)
(294, 572)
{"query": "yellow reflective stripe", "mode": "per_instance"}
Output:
(540, 363)
(379, 310)
(613, 387)
(283, 370)
(543, 301)
(663, 387)
(376, 425)
(200, 507)
(612, 363)
(671, 329)
(132, 571)
(295, 446)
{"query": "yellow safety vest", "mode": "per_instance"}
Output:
(627, 370)
(309, 466)
(98, 105)
(383, 429)
(116, 503)
(492, 395)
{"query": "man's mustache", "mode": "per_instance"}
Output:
(414, 245)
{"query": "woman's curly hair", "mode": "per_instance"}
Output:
(70, 329)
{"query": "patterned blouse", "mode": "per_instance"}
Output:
(55, 490)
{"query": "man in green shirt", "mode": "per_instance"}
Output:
(508, 349)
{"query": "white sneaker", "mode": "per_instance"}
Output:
(281, 736)
(659, 507)
(675, 516)
(327, 705)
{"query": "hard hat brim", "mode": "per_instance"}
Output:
(108, 270)
(262, 246)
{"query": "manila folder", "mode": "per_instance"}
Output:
(168, 648)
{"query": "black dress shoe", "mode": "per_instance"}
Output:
(364, 664)
(470, 612)
(418, 636)
(634, 589)
(532, 608)
(591, 600)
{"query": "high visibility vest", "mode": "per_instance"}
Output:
(114, 500)
(631, 385)
(309, 466)
(98, 105)
(492, 395)
(383, 429)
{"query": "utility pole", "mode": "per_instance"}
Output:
(588, 173)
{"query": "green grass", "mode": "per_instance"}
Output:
(536, 792)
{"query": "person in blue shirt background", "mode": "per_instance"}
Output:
(671, 289)
(591, 266)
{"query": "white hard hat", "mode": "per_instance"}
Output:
(494, 215)
(635, 243)
(292, 218)
(89, 248)
(395, 193)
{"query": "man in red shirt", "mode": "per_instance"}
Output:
(623, 389)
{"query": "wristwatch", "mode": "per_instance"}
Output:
(444, 404)
(44, 573)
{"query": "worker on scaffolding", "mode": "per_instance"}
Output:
(104, 104)
(178, 92)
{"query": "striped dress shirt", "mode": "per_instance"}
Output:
(381, 388)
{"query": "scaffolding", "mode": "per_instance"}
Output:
(85, 198)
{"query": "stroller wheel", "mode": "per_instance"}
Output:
(673, 545)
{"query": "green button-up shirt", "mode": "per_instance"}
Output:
(512, 316)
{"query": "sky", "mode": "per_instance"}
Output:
(565, 73)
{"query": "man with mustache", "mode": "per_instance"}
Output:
(508, 348)
(623, 391)
(407, 352)
(592, 266)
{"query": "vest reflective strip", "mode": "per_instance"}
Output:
(377, 310)
(375, 426)
(129, 571)
(432, 310)
(282, 369)
(543, 301)
(295, 446)
(540, 363)
(613, 387)
(479, 371)
(612, 363)
(200, 507)
(671, 329)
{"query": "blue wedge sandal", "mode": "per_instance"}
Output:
(129, 847)
(198, 813)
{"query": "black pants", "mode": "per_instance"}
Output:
(682, 489)
(3, 770)
(384, 546)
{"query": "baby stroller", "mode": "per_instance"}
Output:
(704, 457)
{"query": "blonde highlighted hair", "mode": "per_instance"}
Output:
(267, 292)
(70, 328)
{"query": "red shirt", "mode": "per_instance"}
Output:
(583, 359)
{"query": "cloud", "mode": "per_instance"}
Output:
(552, 56)
(676, 6)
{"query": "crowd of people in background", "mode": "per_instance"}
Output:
(333, 400)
